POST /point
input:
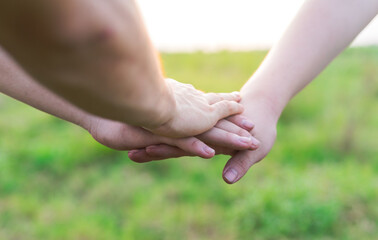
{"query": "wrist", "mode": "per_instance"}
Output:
(87, 121)
(164, 109)
(265, 98)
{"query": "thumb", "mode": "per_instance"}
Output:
(239, 165)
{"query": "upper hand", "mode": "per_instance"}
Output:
(196, 112)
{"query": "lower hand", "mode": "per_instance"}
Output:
(262, 114)
(196, 112)
(121, 136)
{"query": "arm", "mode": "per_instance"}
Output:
(15, 83)
(97, 55)
(320, 31)
(94, 56)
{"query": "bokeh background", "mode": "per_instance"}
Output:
(320, 181)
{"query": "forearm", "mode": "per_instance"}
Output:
(95, 54)
(320, 31)
(17, 84)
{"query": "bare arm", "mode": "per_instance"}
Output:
(17, 84)
(97, 55)
(81, 51)
(319, 32)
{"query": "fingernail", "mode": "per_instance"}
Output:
(255, 143)
(209, 150)
(245, 140)
(231, 175)
(247, 124)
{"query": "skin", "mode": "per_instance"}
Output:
(16, 83)
(319, 32)
(97, 55)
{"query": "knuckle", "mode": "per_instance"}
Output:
(230, 106)
(238, 108)
(213, 109)
(224, 105)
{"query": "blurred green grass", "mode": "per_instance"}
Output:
(319, 182)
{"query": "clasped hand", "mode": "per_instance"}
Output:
(232, 135)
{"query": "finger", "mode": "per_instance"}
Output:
(225, 109)
(193, 146)
(239, 164)
(156, 153)
(217, 97)
(142, 156)
(232, 128)
(221, 138)
(242, 122)
(139, 156)
(163, 151)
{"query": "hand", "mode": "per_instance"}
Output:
(259, 110)
(196, 112)
(120, 136)
(262, 114)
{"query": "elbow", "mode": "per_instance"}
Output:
(73, 26)
(72, 35)
(107, 38)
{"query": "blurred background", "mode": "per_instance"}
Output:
(320, 180)
(213, 25)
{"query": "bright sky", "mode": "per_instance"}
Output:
(187, 25)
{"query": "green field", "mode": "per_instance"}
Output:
(319, 182)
